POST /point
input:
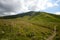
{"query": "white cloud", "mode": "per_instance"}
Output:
(11, 7)
(49, 4)
(57, 13)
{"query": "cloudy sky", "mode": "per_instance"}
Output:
(12, 7)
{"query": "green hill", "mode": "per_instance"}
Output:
(30, 26)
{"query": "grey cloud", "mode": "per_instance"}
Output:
(11, 7)
(7, 6)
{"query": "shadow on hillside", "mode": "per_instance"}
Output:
(10, 17)
(32, 14)
(16, 16)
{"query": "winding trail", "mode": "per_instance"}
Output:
(53, 34)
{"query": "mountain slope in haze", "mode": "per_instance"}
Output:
(30, 26)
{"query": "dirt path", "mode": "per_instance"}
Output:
(53, 34)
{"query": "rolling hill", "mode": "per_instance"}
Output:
(30, 26)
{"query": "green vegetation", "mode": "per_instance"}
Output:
(30, 26)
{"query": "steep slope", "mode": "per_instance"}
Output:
(30, 26)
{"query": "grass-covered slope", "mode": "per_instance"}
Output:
(30, 26)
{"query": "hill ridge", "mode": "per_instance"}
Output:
(30, 26)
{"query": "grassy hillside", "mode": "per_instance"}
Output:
(30, 26)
